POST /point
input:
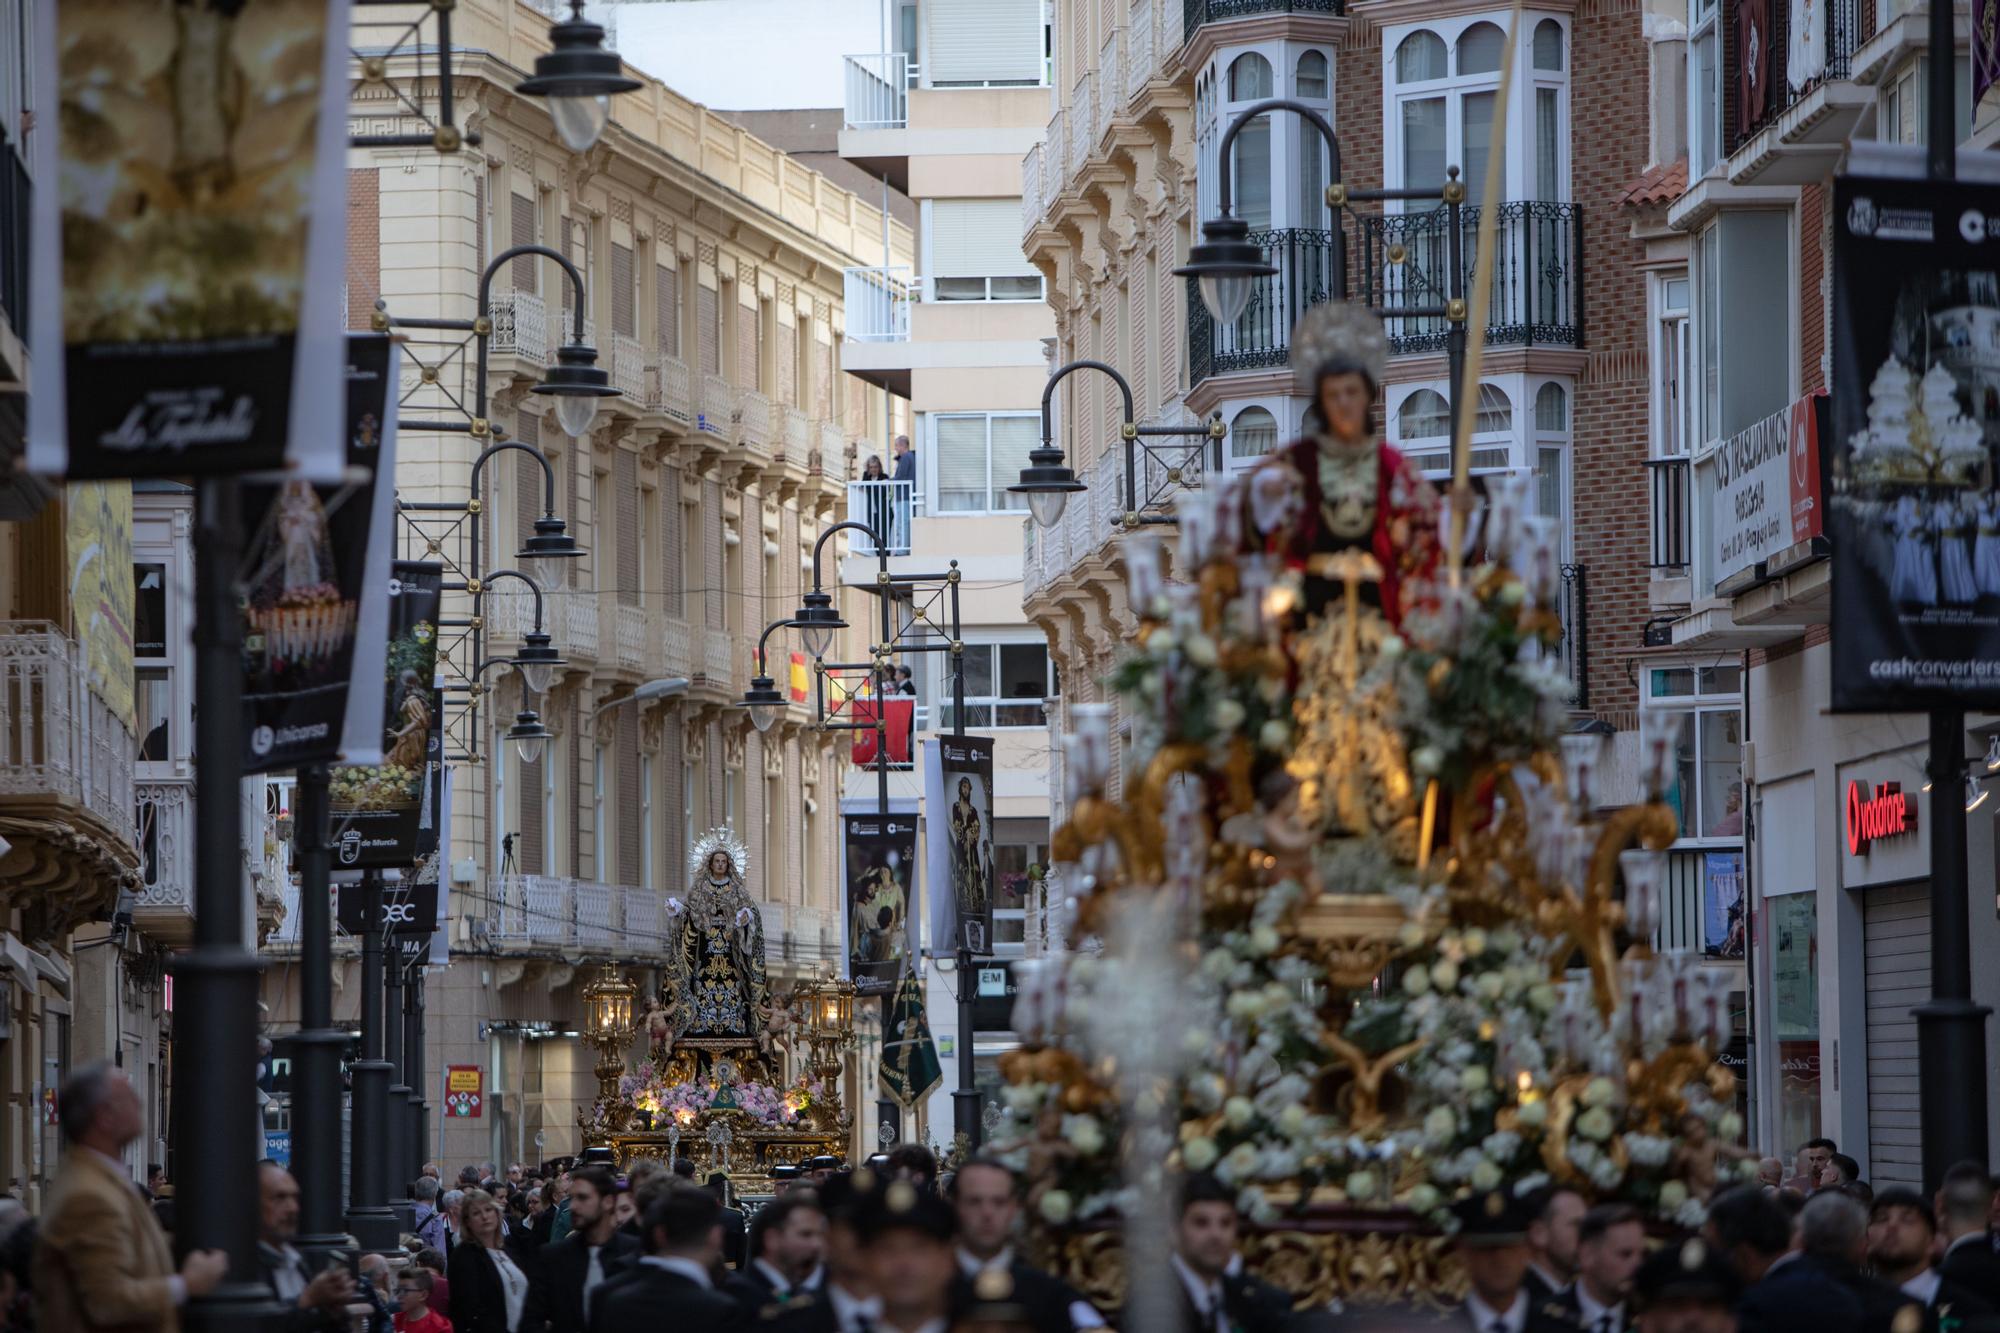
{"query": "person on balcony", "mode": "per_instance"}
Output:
(880, 504)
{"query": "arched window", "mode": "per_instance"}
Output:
(1252, 434)
(1420, 58)
(1549, 45)
(1550, 451)
(1249, 78)
(1309, 80)
(1480, 48)
(1424, 415)
(1551, 409)
(1496, 411)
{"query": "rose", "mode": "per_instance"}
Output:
(1444, 975)
(1292, 1120)
(1264, 940)
(1199, 1154)
(1474, 941)
(1423, 1198)
(1512, 593)
(1440, 1125)
(1485, 1175)
(1490, 985)
(1084, 1134)
(1200, 649)
(1543, 997)
(1595, 1124)
(1729, 1126)
(1426, 760)
(1240, 1163)
(1672, 1195)
(1532, 1115)
(1361, 1185)
(1056, 1207)
(1410, 935)
(1598, 1092)
(1474, 1078)
(1391, 648)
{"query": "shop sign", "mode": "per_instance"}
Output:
(1887, 813)
(464, 1091)
(1767, 491)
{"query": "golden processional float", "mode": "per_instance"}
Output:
(1360, 862)
(737, 1080)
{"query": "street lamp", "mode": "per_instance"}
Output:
(1225, 265)
(528, 734)
(1048, 483)
(578, 77)
(764, 700)
(537, 659)
(576, 383)
(817, 619)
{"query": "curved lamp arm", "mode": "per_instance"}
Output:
(533, 587)
(548, 471)
(850, 524)
(485, 289)
(764, 638)
(1250, 113)
(1130, 431)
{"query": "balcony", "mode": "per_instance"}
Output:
(1054, 146)
(629, 641)
(876, 345)
(1111, 93)
(1799, 135)
(670, 389)
(753, 422)
(1669, 483)
(520, 332)
(1573, 608)
(1261, 337)
(1031, 188)
(1195, 13)
(716, 412)
(1140, 54)
(878, 91)
(1537, 295)
(885, 506)
(795, 933)
(628, 367)
(796, 436)
(164, 907)
(561, 916)
(1082, 121)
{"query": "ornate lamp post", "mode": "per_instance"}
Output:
(607, 1025)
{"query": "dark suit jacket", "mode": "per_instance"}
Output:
(555, 1302)
(1544, 1316)
(478, 1300)
(732, 1238)
(1539, 1290)
(817, 1317)
(1046, 1298)
(1799, 1296)
(1881, 1302)
(648, 1299)
(1250, 1304)
(1974, 1266)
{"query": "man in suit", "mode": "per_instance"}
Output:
(1611, 1240)
(101, 1259)
(1902, 1236)
(787, 1242)
(1213, 1298)
(1784, 1289)
(1553, 1213)
(683, 1245)
(1964, 1202)
(1833, 1232)
(906, 1237)
(1492, 1246)
(986, 1200)
(846, 1302)
(577, 1265)
(315, 1300)
(1685, 1288)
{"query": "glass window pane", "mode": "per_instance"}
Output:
(1681, 796)
(1551, 408)
(154, 699)
(1496, 411)
(1024, 670)
(978, 668)
(1548, 145)
(1549, 483)
(1719, 680)
(1669, 682)
(1424, 415)
(1480, 49)
(1548, 45)
(1709, 320)
(1311, 79)
(1010, 874)
(961, 463)
(1721, 774)
(1253, 433)
(1420, 57)
(1476, 134)
(1013, 439)
(1253, 173)
(1676, 297)
(1312, 179)
(1249, 78)
(959, 289)
(1423, 142)
(149, 609)
(1794, 927)
(1016, 289)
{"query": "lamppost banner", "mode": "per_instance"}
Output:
(1985, 47)
(1912, 509)
(880, 864)
(191, 232)
(958, 782)
(386, 814)
(316, 597)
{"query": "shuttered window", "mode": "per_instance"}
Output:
(708, 326)
(984, 42)
(979, 455)
(529, 856)
(667, 300)
(749, 348)
(976, 252)
(521, 231)
(576, 249)
(624, 291)
(823, 379)
(626, 479)
(631, 805)
(1896, 944)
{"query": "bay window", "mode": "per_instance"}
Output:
(1005, 685)
(1670, 367)
(1252, 434)
(1705, 87)
(1535, 442)
(1279, 164)
(1443, 96)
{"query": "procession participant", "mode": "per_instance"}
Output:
(986, 1198)
(907, 1236)
(1902, 1235)
(846, 1302)
(1611, 1240)
(787, 1242)
(1212, 1298)
(1492, 1246)
(1964, 1203)
(683, 1245)
(1685, 1288)
(577, 1265)
(1553, 1213)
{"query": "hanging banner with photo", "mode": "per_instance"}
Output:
(1985, 49)
(97, 532)
(191, 224)
(387, 814)
(1725, 919)
(879, 865)
(317, 594)
(958, 793)
(1912, 509)
(1805, 58)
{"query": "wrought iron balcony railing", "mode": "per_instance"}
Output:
(1194, 13)
(1573, 606)
(1670, 512)
(1261, 336)
(1537, 295)
(1784, 87)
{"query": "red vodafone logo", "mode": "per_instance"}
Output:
(1889, 813)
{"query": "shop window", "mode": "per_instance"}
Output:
(1792, 921)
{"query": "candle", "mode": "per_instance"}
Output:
(1581, 752)
(1143, 581)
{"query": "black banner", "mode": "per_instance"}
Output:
(881, 864)
(960, 843)
(1913, 514)
(387, 814)
(316, 600)
(407, 908)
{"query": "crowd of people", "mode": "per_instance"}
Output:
(893, 1246)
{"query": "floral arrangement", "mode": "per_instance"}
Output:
(380, 787)
(684, 1102)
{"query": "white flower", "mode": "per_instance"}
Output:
(1417, 980)
(1672, 1195)
(1729, 1127)
(1161, 642)
(1423, 1198)
(1227, 714)
(1292, 1120)
(1245, 1004)
(1410, 935)
(1084, 1134)
(1199, 1154)
(1274, 734)
(1532, 1115)
(1264, 940)
(1440, 1125)
(1606, 1175)
(1238, 1112)
(1474, 1078)
(1474, 941)
(1598, 1092)
(1489, 985)
(1692, 1214)
(1056, 1207)
(1207, 1091)
(1391, 648)
(1485, 1175)
(1444, 974)
(1501, 1145)
(1361, 1185)
(1022, 1099)
(1512, 593)
(1543, 996)
(1595, 1124)
(1240, 1163)
(1426, 760)
(1200, 649)
(1253, 1205)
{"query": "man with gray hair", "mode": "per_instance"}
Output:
(1833, 1231)
(1963, 1204)
(430, 1227)
(450, 1205)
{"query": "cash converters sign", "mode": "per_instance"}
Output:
(1888, 813)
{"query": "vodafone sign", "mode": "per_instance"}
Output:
(1888, 813)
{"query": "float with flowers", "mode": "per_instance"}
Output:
(1360, 857)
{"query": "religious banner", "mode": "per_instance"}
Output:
(1725, 921)
(909, 1070)
(880, 859)
(192, 227)
(97, 532)
(1805, 55)
(1912, 510)
(387, 814)
(958, 794)
(1753, 62)
(316, 599)
(1985, 49)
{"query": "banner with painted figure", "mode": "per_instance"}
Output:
(879, 865)
(316, 600)
(1725, 916)
(387, 814)
(191, 226)
(1985, 50)
(1912, 509)
(958, 793)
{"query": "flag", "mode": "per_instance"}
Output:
(909, 1068)
(901, 715)
(801, 681)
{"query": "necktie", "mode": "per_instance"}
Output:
(1498, 1325)
(1606, 1323)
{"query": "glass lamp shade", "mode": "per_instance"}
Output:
(1225, 266)
(1226, 295)
(1046, 507)
(537, 676)
(580, 119)
(607, 1004)
(530, 748)
(575, 412)
(762, 716)
(818, 639)
(529, 735)
(576, 382)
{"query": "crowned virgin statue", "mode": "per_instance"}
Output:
(716, 986)
(1342, 488)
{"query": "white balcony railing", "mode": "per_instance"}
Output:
(1055, 149)
(628, 366)
(57, 738)
(1082, 122)
(670, 388)
(717, 411)
(1031, 561)
(557, 913)
(718, 661)
(885, 506)
(878, 91)
(1031, 188)
(878, 304)
(753, 419)
(520, 327)
(166, 845)
(571, 616)
(629, 634)
(797, 436)
(832, 452)
(1139, 49)
(677, 647)
(1111, 92)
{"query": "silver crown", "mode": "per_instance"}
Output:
(1338, 331)
(719, 840)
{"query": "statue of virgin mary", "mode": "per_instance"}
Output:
(715, 945)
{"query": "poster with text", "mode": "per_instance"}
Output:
(958, 782)
(386, 814)
(1725, 922)
(880, 867)
(1912, 510)
(316, 598)
(189, 239)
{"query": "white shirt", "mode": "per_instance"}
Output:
(1206, 1295)
(289, 1278)
(1590, 1313)
(779, 1283)
(1488, 1320)
(1546, 1276)
(849, 1310)
(514, 1283)
(687, 1268)
(972, 1265)
(1924, 1287)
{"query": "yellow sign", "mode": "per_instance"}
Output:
(99, 549)
(464, 1078)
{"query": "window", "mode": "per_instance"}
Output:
(1704, 87)
(551, 761)
(1496, 411)
(1005, 684)
(773, 851)
(1551, 453)
(1549, 46)
(688, 785)
(1670, 369)
(1902, 117)
(975, 252)
(1792, 920)
(1249, 78)
(600, 809)
(1018, 846)
(1423, 415)
(1445, 95)
(1743, 281)
(150, 649)
(1423, 431)
(1707, 793)
(978, 455)
(1253, 434)
(1420, 58)
(1310, 84)
(984, 43)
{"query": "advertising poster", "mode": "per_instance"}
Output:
(1725, 924)
(880, 874)
(959, 848)
(317, 591)
(1985, 48)
(386, 814)
(97, 533)
(1767, 492)
(1912, 510)
(192, 226)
